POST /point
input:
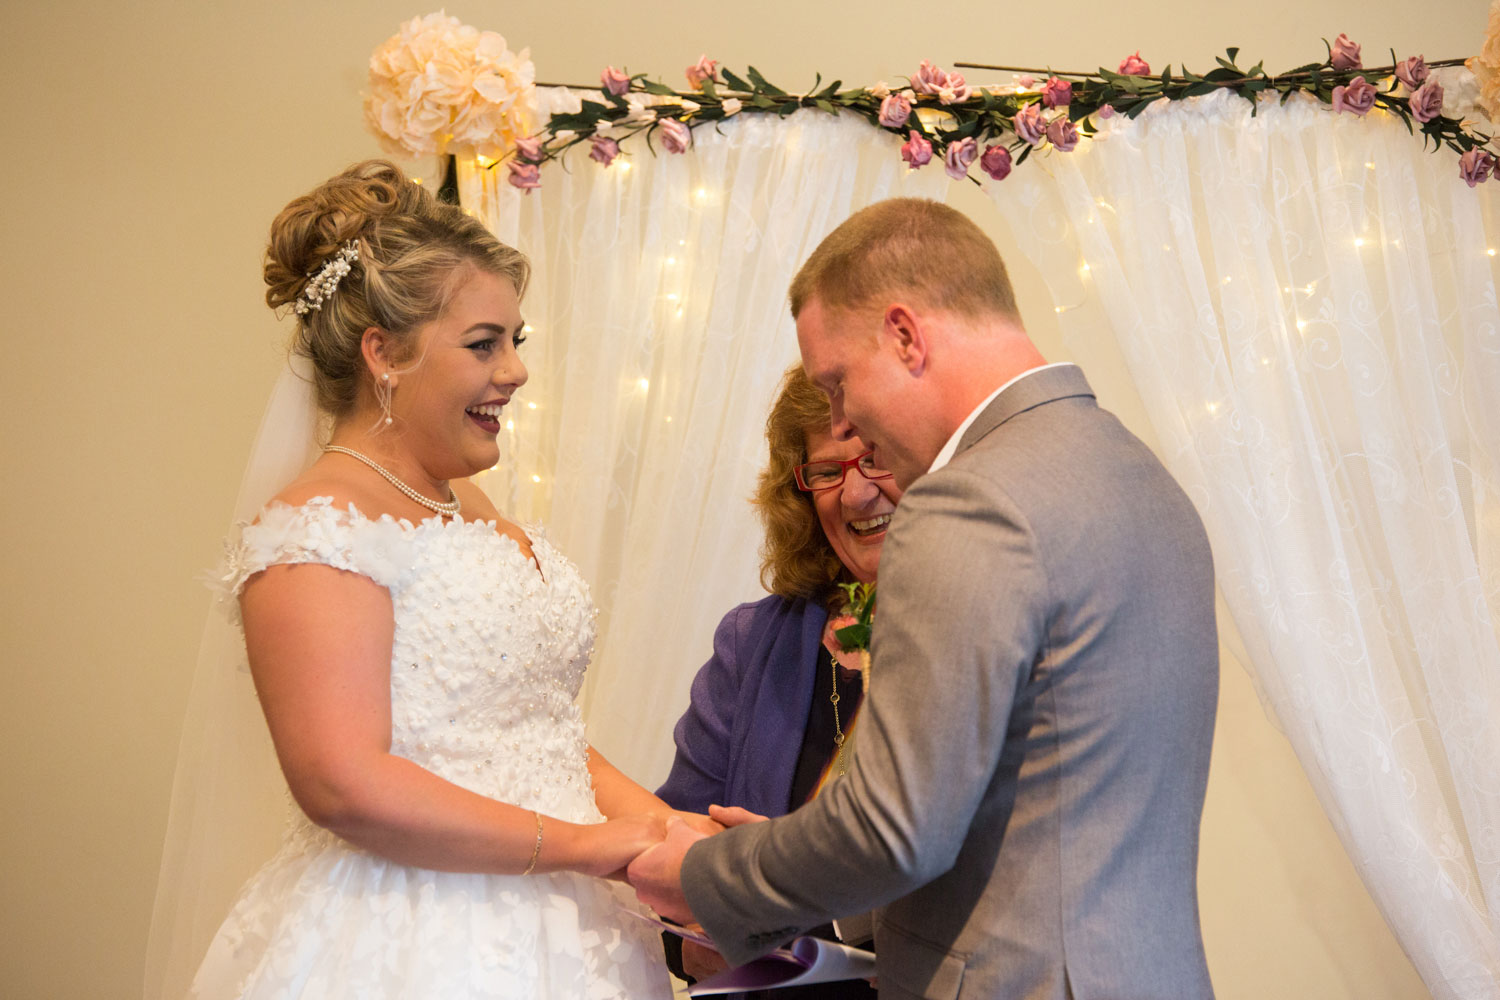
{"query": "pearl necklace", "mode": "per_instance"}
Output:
(449, 509)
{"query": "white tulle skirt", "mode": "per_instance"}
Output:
(325, 920)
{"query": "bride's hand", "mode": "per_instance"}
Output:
(604, 849)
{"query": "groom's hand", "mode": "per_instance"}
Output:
(656, 873)
(734, 816)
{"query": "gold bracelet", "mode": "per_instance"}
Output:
(536, 851)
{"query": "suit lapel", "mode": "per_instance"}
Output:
(1027, 394)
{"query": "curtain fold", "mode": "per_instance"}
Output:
(1305, 304)
(661, 329)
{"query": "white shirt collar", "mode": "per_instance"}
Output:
(946, 455)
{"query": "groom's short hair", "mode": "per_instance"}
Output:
(908, 247)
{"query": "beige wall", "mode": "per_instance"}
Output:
(146, 148)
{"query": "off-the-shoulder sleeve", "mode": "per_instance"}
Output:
(314, 532)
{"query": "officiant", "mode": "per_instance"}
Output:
(774, 709)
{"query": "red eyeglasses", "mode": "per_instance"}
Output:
(814, 477)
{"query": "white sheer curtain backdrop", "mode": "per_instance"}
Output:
(659, 307)
(1306, 305)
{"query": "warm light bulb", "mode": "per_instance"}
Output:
(528, 328)
(644, 383)
(1491, 251)
(536, 478)
(510, 425)
(1359, 242)
(531, 406)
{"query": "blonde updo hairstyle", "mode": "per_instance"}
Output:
(414, 252)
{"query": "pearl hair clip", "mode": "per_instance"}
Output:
(325, 281)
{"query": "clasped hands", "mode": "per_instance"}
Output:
(656, 873)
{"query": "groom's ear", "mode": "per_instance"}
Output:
(906, 333)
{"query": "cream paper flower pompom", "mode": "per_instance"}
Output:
(441, 86)
(1486, 66)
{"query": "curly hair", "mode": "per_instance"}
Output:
(414, 252)
(796, 559)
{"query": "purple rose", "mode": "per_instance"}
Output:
(1063, 134)
(1426, 102)
(929, 79)
(529, 149)
(1029, 124)
(1412, 72)
(1106, 111)
(916, 151)
(958, 157)
(614, 81)
(1344, 54)
(996, 162)
(894, 111)
(526, 176)
(603, 149)
(1135, 65)
(1475, 167)
(1057, 93)
(1358, 97)
(675, 135)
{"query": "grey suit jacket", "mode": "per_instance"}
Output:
(1025, 793)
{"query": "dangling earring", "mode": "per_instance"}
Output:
(384, 390)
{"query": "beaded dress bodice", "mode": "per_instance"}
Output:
(489, 648)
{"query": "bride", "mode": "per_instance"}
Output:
(415, 654)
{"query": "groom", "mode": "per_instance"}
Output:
(1023, 802)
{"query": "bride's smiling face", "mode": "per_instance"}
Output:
(448, 401)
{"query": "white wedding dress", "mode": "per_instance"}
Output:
(488, 657)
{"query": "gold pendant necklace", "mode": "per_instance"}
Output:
(838, 731)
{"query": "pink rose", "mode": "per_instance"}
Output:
(614, 81)
(955, 91)
(702, 71)
(676, 136)
(603, 149)
(1426, 102)
(1412, 72)
(1029, 124)
(1063, 134)
(929, 79)
(1106, 111)
(529, 149)
(1135, 65)
(1025, 81)
(526, 176)
(916, 151)
(958, 157)
(1057, 93)
(894, 111)
(1344, 54)
(1475, 167)
(996, 162)
(1357, 97)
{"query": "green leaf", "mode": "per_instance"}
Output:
(710, 89)
(823, 105)
(761, 84)
(1025, 152)
(787, 108)
(734, 82)
(763, 102)
(657, 87)
(1166, 76)
(853, 636)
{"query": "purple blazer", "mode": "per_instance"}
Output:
(738, 741)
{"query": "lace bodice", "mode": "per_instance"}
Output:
(488, 653)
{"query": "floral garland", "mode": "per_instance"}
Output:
(440, 86)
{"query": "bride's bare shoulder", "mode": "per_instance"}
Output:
(326, 479)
